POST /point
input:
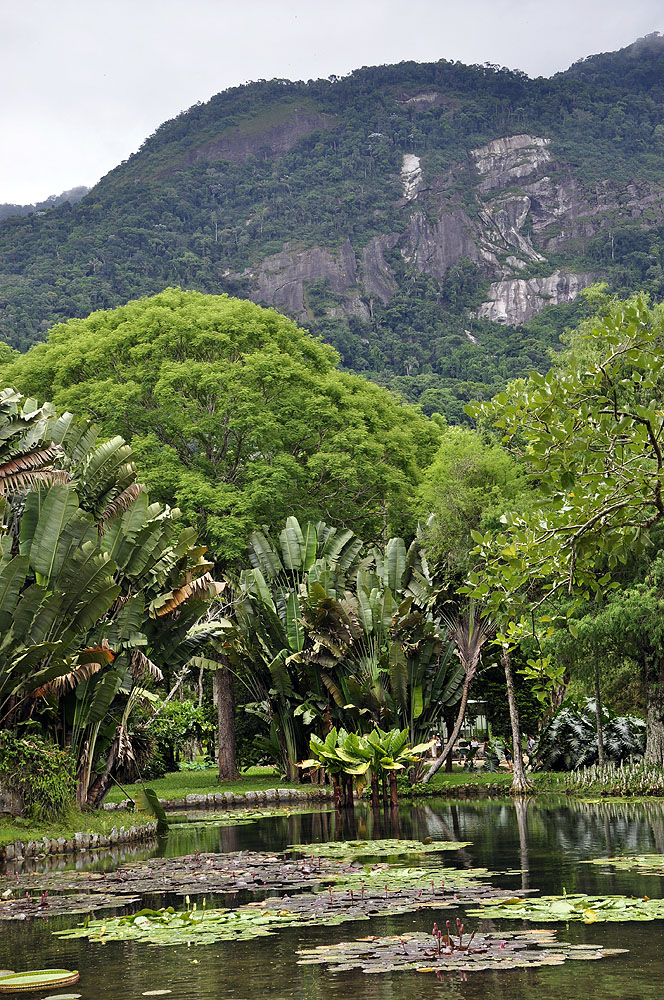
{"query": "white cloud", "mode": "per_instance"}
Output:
(85, 81)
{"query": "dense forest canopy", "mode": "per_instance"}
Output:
(237, 416)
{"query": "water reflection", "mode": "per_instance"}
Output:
(544, 839)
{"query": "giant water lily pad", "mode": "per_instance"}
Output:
(349, 849)
(440, 880)
(239, 817)
(39, 979)
(35, 907)
(589, 909)
(425, 953)
(641, 864)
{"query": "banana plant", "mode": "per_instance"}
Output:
(99, 589)
(373, 756)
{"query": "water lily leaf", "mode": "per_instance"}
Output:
(376, 848)
(643, 864)
(590, 909)
(428, 953)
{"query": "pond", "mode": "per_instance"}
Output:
(546, 840)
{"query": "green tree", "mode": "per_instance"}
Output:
(236, 415)
(591, 434)
(471, 482)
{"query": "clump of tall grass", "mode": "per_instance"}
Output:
(629, 778)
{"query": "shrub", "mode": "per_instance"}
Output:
(40, 772)
(569, 742)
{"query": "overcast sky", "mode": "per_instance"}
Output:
(83, 82)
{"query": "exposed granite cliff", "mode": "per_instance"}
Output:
(517, 300)
(526, 205)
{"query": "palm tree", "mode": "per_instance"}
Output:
(469, 633)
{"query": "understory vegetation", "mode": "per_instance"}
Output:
(362, 583)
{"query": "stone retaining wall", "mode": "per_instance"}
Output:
(82, 842)
(79, 843)
(218, 800)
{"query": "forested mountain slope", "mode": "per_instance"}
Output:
(420, 216)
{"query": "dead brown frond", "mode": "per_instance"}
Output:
(125, 750)
(195, 588)
(22, 480)
(121, 503)
(32, 460)
(141, 666)
(67, 682)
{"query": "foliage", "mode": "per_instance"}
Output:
(634, 778)
(641, 864)
(589, 432)
(349, 849)
(363, 757)
(469, 485)
(177, 723)
(239, 418)
(573, 906)
(569, 741)
(213, 193)
(39, 771)
(326, 628)
(490, 690)
(97, 584)
(444, 951)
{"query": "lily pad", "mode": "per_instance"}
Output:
(337, 904)
(348, 849)
(588, 909)
(447, 952)
(199, 875)
(642, 864)
(23, 982)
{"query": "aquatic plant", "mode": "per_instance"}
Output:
(576, 906)
(348, 849)
(443, 950)
(641, 864)
(630, 778)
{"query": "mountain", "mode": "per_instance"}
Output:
(73, 195)
(435, 222)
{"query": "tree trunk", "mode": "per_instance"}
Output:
(521, 807)
(338, 794)
(394, 796)
(519, 780)
(349, 799)
(598, 716)
(375, 795)
(226, 726)
(654, 685)
(447, 749)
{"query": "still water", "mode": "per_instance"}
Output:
(544, 839)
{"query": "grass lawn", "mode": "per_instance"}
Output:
(74, 822)
(177, 784)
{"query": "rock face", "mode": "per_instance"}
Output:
(281, 280)
(509, 161)
(515, 302)
(411, 176)
(11, 803)
(523, 205)
(272, 134)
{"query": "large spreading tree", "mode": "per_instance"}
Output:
(236, 415)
